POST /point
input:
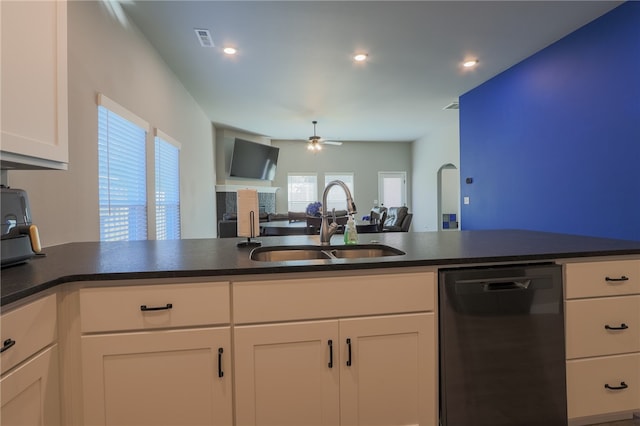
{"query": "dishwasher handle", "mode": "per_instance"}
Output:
(507, 285)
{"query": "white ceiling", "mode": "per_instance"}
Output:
(294, 58)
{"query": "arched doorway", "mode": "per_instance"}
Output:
(448, 198)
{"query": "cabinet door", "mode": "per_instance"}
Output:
(34, 83)
(287, 374)
(169, 377)
(391, 379)
(30, 393)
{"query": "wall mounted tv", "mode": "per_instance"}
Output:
(251, 160)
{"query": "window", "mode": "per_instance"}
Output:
(392, 189)
(167, 180)
(121, 173)
(336, 198)
(302, 189)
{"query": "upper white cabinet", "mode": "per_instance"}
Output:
(34, 123)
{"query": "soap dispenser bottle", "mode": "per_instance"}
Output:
(351, 233)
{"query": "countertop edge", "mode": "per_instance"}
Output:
(298, 266)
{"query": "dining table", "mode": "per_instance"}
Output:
(300, 227)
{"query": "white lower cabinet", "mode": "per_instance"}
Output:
(603, 385)
(286, 375)
(30, 386)
(174, 377)
(156, 355)
(30, 393)
(361, 371)
(376, 366)
(390, 379)
(602, 322)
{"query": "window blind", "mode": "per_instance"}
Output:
(302, 189)
(121, 178)
(167, 182)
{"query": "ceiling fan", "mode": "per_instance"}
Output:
(316, 142)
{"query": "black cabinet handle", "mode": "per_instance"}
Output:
(220, 372)
(622, 278)
(144, 308)
(330, 343)
(623, 385)
(349, 352)
(7, 344)
(623, 326)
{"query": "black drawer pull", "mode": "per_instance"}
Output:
(330, 343)
(623, 326)
(144, 308)
(615, 280)
(220, 372)
(7, 344)
(623, 385)
(349, 349)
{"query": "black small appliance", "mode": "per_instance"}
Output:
(19, 237)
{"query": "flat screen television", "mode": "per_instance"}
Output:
(251, 160)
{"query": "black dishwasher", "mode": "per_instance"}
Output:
(502, 358)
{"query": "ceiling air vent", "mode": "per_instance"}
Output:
(453, 105)
(204, 37)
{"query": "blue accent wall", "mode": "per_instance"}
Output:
(553, 143)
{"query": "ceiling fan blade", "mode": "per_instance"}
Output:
(337, 143)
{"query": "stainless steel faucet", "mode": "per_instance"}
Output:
(326, 230)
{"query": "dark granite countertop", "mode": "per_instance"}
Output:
(92, 261)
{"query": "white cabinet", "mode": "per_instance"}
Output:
(366, 354)
(602, 314)
(29, 387)
(156, 354)
(387, 370)
(287, 374)
(34, 84)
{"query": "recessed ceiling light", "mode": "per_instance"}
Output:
(470, 63)
(360, 57)
(230, 50)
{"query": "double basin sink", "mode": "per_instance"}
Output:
(308, 252)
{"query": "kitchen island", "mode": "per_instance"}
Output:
(220, 257)
(230, 340)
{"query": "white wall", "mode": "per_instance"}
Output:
(119, 62)
(364, 159)
(429, 154)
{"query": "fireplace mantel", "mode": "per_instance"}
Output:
(234, 188)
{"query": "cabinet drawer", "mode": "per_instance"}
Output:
(153, 306)
(314, 298)
(594, 279)
(586, 380)
(26, 330)
(603, 326)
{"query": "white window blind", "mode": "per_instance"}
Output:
(336, 198)
(121, 175)
(167, 182)
(302, 189)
